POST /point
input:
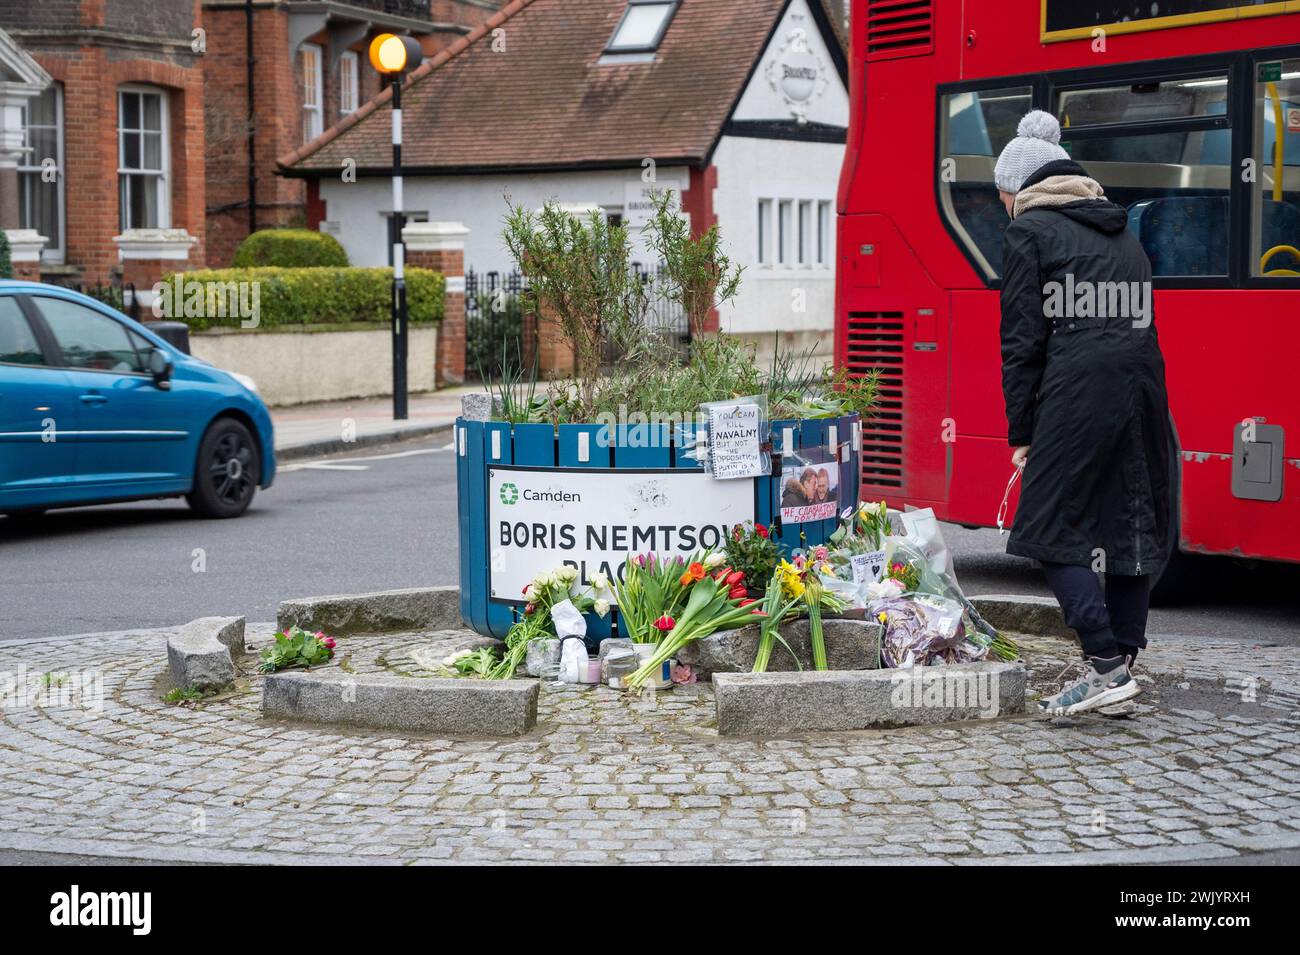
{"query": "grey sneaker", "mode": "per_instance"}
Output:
(1094, 691)
(1130, 707)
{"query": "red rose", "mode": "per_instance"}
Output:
(760, 530)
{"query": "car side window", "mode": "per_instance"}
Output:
(18, 345)
(91, 340)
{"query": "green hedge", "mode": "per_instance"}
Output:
(6, 269)
(290, 249)
(300, 296)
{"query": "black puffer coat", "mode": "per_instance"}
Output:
(1085, 387)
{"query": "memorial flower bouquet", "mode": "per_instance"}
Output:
(801, 577)
(752, 551)
(653, 588)
(864, 529)
(714, 601)
(542, 593)
(295, 647)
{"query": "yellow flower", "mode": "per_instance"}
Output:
(791, 581)
(882, 617)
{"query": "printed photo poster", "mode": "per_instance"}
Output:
(810, 486)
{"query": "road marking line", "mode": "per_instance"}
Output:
(322, 466)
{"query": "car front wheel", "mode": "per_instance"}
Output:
(226, 474)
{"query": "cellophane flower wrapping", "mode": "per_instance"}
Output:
(923, 630)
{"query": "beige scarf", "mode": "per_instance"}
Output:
(1056, 191)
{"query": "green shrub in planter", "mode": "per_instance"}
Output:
(6, 268)
(289, 248)
(319, 296)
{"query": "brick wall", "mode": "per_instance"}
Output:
(278, 99)
(277, 121)
(91, 72)
(440, 246)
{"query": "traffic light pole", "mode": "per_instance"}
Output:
(399, 262)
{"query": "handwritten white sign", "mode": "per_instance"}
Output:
(735, 441)
(867, 568)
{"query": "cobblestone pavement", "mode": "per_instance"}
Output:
(1209, 769)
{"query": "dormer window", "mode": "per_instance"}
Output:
(642, 27)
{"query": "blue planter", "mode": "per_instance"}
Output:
(482, 446)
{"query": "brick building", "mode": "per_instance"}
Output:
(309, 70)
(122, 124)
(739, 106)
(134, 158)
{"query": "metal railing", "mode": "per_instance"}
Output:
(415, 9)
(498, 323)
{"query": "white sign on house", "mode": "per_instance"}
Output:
(638, 204)
(541, 519)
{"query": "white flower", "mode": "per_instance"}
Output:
(543, 580)
(530, 593)
(889, 587)
(566, 575)
(599, 581)
(458, 655)
(602, 607)
(714, 560)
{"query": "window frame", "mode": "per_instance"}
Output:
(349, 69)
(763, 234)
(943, 203)
(784, 222)
(825, 216)
(53, 254)
(804, 224)
(1248, 225)
(652, 46)
(315, 112)
(1239, 67)
(162, 176)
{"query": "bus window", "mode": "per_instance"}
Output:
(1275, 196)
(1144, 102)
(1173, 181)
(975, 126)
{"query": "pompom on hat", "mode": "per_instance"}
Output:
(1037, 142)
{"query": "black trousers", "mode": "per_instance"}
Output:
(1108, 624)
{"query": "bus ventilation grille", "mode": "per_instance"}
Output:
(875, 340)
(899, 28)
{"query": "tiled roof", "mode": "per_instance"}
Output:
(543, 102)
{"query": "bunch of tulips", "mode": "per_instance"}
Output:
(715, 600)
(652, 589)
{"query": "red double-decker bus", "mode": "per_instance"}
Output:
(1188, 113)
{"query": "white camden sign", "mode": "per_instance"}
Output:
(541, 519)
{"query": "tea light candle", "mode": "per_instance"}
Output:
(593, 670)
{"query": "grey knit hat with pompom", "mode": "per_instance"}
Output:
(1037, 143)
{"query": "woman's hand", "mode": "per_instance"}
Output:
(1020, 455)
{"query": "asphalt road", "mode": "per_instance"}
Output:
(387, 521)
(385, 518)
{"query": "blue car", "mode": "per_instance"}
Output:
(96, 408)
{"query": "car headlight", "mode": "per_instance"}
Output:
(244, 380)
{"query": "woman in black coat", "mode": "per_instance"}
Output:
(1087, 413)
